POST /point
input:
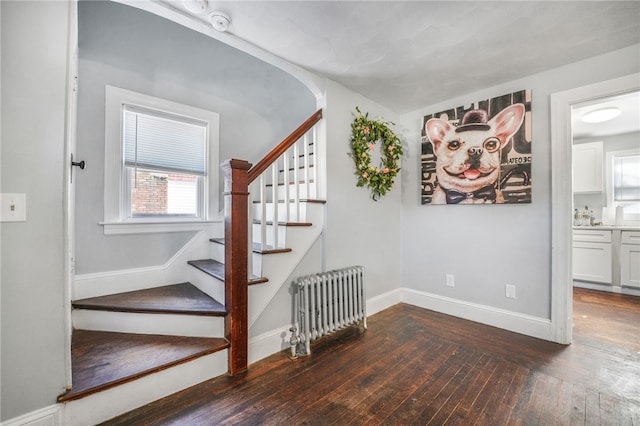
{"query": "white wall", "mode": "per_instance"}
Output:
(122, 46)
(487, 247)
(34, 62)
(359, 231)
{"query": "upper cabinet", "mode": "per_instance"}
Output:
(587, 167)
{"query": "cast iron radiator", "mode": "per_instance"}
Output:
(327, 302)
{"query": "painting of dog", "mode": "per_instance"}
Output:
(470, 157)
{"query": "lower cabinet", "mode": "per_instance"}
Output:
(592, 256)
(630, 259)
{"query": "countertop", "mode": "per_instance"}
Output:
(608, 228)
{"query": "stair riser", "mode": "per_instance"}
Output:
(217, 253)
(206, 283)
(304, 194)
(294, 215)
(110, 403)
(164, 324)
(279, 267)
(281, 232)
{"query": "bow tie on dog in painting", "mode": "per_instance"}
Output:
(486, 193)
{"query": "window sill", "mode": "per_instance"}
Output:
(155, 227)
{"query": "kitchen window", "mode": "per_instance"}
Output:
(160, 164)
(623, 175)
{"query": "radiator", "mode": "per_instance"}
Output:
(327, 302)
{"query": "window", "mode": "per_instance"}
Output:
(160, 164)
(626, 178)
(623, 182)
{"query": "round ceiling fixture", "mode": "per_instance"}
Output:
(197, 7)
(220, 21)
(601, 115)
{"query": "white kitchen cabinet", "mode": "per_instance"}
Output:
(587, 167)
(630, 259)
(592, 256)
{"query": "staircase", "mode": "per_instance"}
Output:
(134, 347)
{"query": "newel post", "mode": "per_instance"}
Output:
(236, 197)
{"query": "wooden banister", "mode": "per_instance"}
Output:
(238, 174)
(236, 282)
(282, 147)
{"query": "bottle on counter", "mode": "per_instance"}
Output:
(585, 216)
(592, 218)
(577, 218)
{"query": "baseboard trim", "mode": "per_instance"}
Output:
(47, 416)
(383, 301)
(277, 340)
(500, 318)
(172, 271)
(269, 343)
(608, 288)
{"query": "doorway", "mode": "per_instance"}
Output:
(562, 104)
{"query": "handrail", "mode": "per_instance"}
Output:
(238, 176)
(282, 147)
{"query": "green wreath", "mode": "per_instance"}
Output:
(365, 132)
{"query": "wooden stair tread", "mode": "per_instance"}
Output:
(293, 169)
(102, 359)
(256, 247)
(300, 182)
(182, 298)
(302, 200)
(270, 222)
(216, 270)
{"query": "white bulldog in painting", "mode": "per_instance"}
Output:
(468, 156)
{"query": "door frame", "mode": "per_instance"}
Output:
(562, 195)
(69, 175)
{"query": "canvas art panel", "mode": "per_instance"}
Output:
(478, 153)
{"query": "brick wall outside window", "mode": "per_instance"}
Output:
(150, 191)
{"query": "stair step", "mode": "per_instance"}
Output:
(182, 298)
(292, 169)
(300, 182)
(302, 200)
(269, 222)
(103, 360)
(256, 247)
(216, 270)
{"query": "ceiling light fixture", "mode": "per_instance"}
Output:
(220, 21)
(601, 115)
(197, 7)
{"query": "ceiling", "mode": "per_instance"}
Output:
(409, 54)
(628, 120)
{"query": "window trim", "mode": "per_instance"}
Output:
(115, 221)
(628, 217)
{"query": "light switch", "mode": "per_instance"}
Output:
(13, 208)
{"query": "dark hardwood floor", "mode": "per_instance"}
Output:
(414, 366)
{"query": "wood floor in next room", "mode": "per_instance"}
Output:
(414, 366)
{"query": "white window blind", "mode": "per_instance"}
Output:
(626, 178)
(158, 141)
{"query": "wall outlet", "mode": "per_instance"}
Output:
(449, 280)
(13, 208)
(510, 291)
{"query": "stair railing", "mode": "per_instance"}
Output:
(286, 175)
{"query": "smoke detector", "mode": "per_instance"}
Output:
(220, 21)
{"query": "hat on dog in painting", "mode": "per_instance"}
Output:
(475, 119)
